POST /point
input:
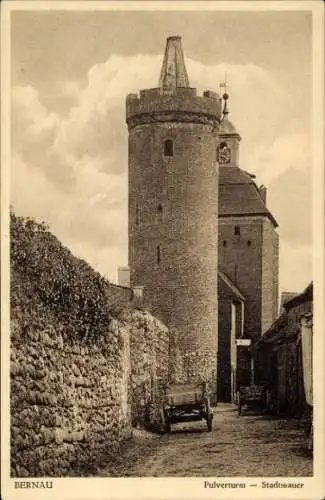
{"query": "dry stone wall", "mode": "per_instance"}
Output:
(85, 365)
(69, 400)
(72, 403)
(149, 346)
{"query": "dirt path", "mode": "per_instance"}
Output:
(238, 446)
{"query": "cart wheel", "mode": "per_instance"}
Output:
(208, 415)
(162, 421)
(166, 422)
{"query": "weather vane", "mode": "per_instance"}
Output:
(225, 96)
(223, 85)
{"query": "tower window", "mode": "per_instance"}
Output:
(237, 230)
(249, 243)
(169, 148)
(224, 243)
(158, 254)
(159, 212)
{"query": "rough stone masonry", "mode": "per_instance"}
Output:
(173, 210)
(74, 400)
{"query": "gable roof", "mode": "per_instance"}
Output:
(306, 295)
(274, 333)
(284, 327)
(239, 195)
(285, 297)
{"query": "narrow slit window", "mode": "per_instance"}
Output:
(169, 148)
(237, 231)
(160, 211)
(158, 254)
(136, 213)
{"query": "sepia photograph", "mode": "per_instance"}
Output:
(162, 248)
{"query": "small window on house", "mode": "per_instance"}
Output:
(158, 254)
(249, 243)
(224, 243)
(237, 230)
(168, 148)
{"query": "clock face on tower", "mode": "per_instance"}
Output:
(223, 153)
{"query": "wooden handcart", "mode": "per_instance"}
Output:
(251, 397)
(186, 402)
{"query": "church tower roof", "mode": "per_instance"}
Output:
(226, 126)
(173, 72)
(238, 193)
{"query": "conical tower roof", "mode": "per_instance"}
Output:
(173, 72)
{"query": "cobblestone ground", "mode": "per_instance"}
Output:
(248, 446)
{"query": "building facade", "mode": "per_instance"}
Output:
(248, 254)
(278, 356)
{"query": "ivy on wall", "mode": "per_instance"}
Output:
(77, 295)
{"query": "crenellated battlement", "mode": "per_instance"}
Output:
(182, 105)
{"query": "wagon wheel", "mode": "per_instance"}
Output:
(162, 421)
(167, 422)
(209, 415)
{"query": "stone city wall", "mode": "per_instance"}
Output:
(149, 347)
(72, 403)
(85, 365)
(69, 400)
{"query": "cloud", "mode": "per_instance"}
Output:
(287, 151)
(75, 163)
(71, 88)
(91, 220)
(34, 128)
(295, 266)
(290, 201)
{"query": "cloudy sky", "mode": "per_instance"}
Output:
(71, 72)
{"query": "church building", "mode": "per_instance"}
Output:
(248, 257)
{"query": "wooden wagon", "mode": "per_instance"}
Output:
(251, 397)
(186, 402)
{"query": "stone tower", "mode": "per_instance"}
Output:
(173, 210)
(248, 243)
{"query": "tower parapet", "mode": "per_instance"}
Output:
(183, 106)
